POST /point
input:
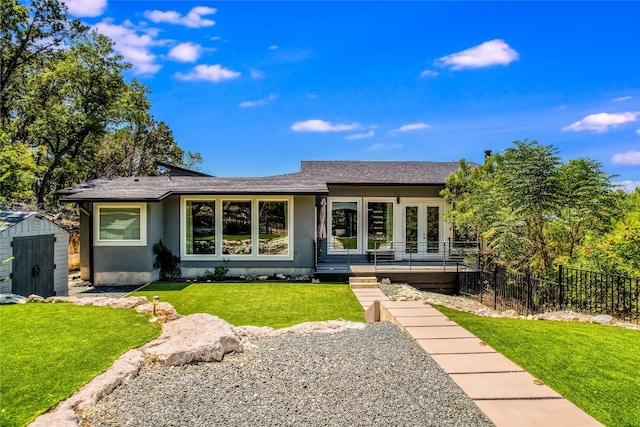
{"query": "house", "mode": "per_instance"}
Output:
(37, 250)
(328, 212)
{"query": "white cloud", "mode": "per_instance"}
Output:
(86, 8)
(429, 73)
(493, 52)
(322, 126)
(380, 146)
(602, 122)
(133, 44)
(260, 102)
(627, 158)
(628, 185)
(360, 135)
(412, 127)
(193, 19)
(185, 52)
(256, 74)
(622, 98)
(273, 47)
(211, 73)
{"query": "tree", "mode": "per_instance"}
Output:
(68, 109)
(530, 208)
(138, 142)
(66, 112)
(18, 171)
(618, 250)
(28, 37)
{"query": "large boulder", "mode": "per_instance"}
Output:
(193, 338)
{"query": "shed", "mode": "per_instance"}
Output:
(37, 250)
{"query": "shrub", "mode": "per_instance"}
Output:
(166, 261)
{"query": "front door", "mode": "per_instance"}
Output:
(33, 265)
(421, 231)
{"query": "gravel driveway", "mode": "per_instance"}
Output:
(376, 376)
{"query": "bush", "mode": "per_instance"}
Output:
(166, 261)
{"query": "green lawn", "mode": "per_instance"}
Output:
(48, 351)
(277, 305)
(596, 367)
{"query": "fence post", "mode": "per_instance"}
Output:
(560, 286)
(529, 292)
(495, 287)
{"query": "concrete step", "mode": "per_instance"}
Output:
(363, 279)
(363, 282)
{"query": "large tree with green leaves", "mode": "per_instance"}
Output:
(68, 108)
(530, 208)
(66, 112)
(29, 37)
(618, 250)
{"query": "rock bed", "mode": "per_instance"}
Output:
(374, 376)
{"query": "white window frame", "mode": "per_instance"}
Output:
(255, 228)
(142, 241)
(365, 213)
(329, 224)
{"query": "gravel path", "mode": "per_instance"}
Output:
(375, 376)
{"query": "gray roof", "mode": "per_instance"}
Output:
(312, 179)
(154, 188)
(380, 173)
(10, 218)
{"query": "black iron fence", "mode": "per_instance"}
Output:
(578, 290)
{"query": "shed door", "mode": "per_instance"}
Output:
(33, 265)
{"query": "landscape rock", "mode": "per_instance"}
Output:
(193, 338)
(71, 300)
(328, 327)
(128, 302)
(124, 368)
(509, 313)
(163, 310)
(247, 333)
(603, 319)
(35, 298)
(12, 299)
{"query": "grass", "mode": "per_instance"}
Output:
(596, 367)
(277, 305)
(48, 351)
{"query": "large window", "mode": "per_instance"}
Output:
(120, 224)
(236, 227)
(344, 225)
(201, 227)
(380, 225)
(273, 224)
(219, 228)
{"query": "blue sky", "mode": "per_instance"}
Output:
(255, 87)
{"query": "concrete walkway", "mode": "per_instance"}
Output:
(505, 392)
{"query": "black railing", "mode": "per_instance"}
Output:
(572, 289)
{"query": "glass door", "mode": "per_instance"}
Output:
(421, 231)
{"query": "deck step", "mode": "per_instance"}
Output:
(363, 282)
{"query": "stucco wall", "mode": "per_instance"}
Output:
(384, 191)
(130, 265)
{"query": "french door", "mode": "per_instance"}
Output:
(422, 230)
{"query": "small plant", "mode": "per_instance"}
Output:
(221, 271)
(166, 261)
